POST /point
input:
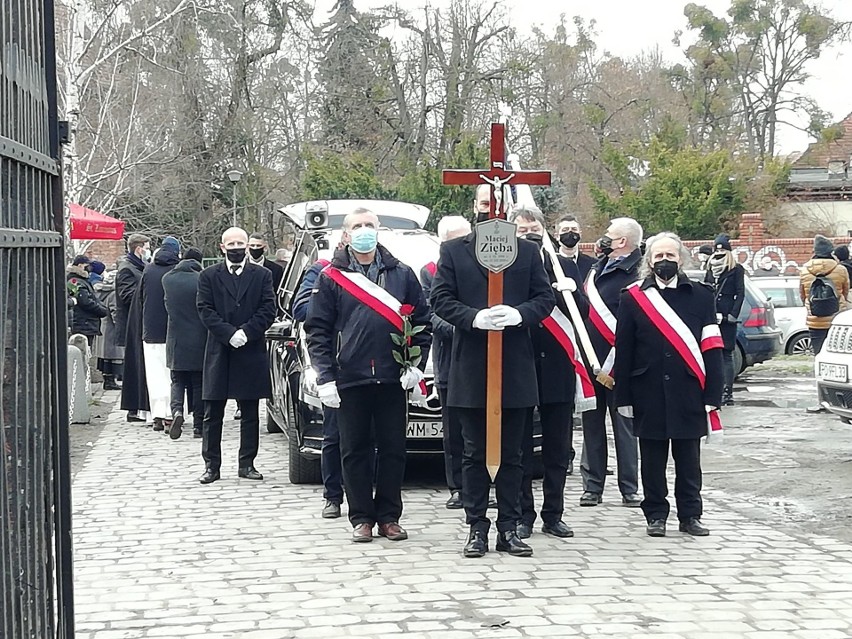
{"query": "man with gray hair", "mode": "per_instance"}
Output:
(449, 227)
(618, 267)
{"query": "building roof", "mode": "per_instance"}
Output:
(819, 154)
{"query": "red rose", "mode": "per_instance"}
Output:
(406, 310)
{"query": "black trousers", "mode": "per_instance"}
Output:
(188, 384)
(453, 443)
(687, 488)
(594, 460)
(330, 463)
(211, 444)
(818, 336)
(475, 477)
(557, 425)
(373, 417)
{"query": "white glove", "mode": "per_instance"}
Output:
(238, 339)
(484, 322)
(565, 284)
(417, 397)
(328, 394)
(410, 377)
(504, 316)
(626, 411)
(710, 409)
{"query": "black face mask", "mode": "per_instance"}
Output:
(482, 217)
(569, 239)
(256, 253)
(605, 245)
(235, 255)
(533, 237)
(665, 269)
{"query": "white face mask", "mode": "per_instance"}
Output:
(146, 255)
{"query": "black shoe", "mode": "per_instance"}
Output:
(656, 528)
(477, 544)
(196, 433)
(589, 498)
(175, 429)
(524, 530)
(249, 472)
(455, 501)
(158, 424)
(134, 418)
(570, 467)
(331, 510)
(109, 383)
(209, 476)
(693, 527)
(509, 542)
(631, 501)
(558, 529)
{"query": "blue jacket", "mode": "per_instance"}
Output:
(302, 301)
(351, 343)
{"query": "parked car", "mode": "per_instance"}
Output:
(832, 365)
(758, 338)
(295, 407)
(790, 313)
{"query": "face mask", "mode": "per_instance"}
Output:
(569, 239)
(665, 269)
(146, 255)
(363, 239)
(605, 245)
(533, 237)
(235, 255)
(256, 253)
(482, 217)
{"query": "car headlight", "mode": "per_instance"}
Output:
(309, 382)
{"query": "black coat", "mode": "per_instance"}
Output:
(459, 291)
(277, 273)
(85, 316)
(584, 264)
(554, 369)
(442, 332)
(651, 376)
(134, 387)
(225, 304)
(610, 285)
(186, 336)
(349, 342)
(126, 283)
(154, 318)
(730, 291)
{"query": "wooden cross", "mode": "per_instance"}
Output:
(498, 177)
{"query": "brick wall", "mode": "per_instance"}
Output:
(107, 251)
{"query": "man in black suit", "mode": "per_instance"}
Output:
(236, 304)
(257, 247)
(569, 236)
(460, 296)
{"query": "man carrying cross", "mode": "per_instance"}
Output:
(460, 296)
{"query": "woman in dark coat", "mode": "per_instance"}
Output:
(668, 372)
(727, 277)
(85, 316)
(110, 355)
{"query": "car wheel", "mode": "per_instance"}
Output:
(739, 361)
(271, 425)
(800, 345)
(303, 470)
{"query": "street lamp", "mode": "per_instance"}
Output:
(234, 176)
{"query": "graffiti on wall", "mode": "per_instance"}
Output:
(752, 260)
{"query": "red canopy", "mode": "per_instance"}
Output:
(87, 224)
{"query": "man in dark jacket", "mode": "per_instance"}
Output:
(86, 314)
(257, 247)
(569, 236)
(154, 327)
(359, 302)
(186, 338)
(237, 305)
(128, 326)
(616, 269)
(460, 296)
(449, 228)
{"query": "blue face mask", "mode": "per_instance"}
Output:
(363, 239)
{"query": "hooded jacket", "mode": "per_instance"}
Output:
(154, 318)
(186, 337)
(835, 272)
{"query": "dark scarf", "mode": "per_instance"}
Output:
(371, 270)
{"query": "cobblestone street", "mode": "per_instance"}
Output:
(159, 555)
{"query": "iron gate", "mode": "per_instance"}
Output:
(35, 508)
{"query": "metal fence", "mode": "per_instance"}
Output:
(35, 510)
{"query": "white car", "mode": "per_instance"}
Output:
(832, 367)
(790, 313)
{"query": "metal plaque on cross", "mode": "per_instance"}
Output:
(496, 244)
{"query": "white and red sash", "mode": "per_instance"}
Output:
(370, 295)
(562, 331)
(677, 333)
(602, 319)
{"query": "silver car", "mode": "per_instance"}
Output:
(790, 313)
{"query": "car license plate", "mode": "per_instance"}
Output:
(425, 430)
(833, 372)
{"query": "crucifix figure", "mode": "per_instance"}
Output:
(496, 250)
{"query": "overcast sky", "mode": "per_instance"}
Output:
(628, 27)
